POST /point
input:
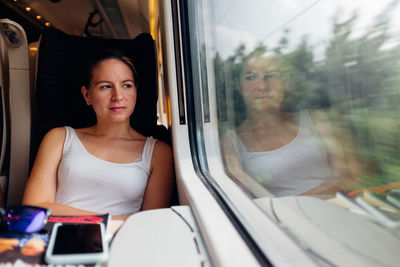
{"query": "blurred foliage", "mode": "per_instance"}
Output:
(358, 77)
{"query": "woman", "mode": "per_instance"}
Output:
(287, 153)
(108, 167)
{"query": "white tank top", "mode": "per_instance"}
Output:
(294, 168)
(90, 183)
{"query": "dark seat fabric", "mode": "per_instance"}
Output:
(58, 100)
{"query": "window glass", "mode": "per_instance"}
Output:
(307, 97)
(308, 94)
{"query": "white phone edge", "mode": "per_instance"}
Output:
(76, 258)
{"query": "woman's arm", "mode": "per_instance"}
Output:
(61, 209)
(160, 184)
(345, 166)
(41, 187)
(234, 166)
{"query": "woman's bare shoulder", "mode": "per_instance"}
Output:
(53, 141)
(56, 133)
(135, 135)
(84, 131)
(162, 156)
(327, 115)
(318, 115)
(162, 147)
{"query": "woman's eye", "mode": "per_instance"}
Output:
(271, 76)
(105, 86)
(127, 85)
(250, 77)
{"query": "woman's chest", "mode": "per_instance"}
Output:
(268, 139)
(114, 150)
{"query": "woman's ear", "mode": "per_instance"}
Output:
(85, 93)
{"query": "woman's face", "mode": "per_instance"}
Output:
(112, 91)
(261, 84)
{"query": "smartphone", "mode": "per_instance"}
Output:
(77, 244)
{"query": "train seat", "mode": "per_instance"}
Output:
(15, 85)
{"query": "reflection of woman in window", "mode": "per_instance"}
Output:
(288, 153)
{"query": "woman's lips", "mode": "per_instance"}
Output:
(264, 96)
(117, 108)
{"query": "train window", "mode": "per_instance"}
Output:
(299, 109)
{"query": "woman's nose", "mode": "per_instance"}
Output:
(263, 84)
(117, 94)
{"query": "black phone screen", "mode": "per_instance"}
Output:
(77, 239)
